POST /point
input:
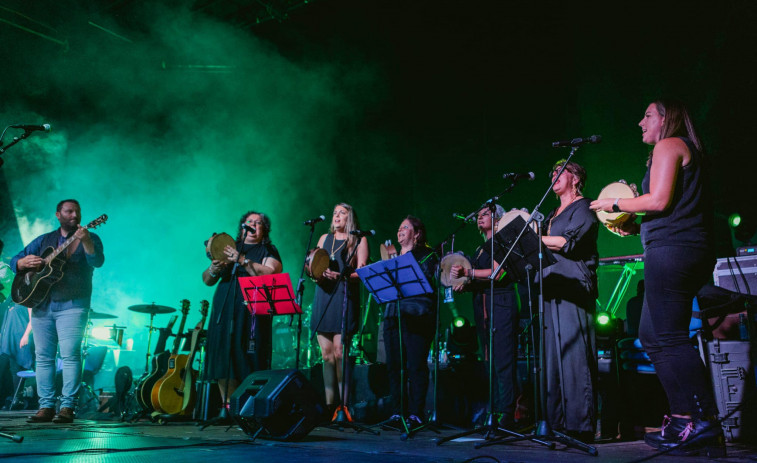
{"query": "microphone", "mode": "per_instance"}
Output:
(464, 218)
(577, 141)
(314, 221)
(361, 233)
(516, 176)
(248, 228)
(32, 128)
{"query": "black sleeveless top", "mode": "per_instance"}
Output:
(688, 220)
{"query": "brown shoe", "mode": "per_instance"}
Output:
(43, 415)
(65, 415)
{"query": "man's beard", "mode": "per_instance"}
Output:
(69, 228)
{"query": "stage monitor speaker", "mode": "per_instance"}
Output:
(277, 405)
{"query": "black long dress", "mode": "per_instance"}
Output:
(247, 340)
(330, 322)
(570, 291)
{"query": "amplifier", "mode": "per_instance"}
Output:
(747, 251)
(737, 274)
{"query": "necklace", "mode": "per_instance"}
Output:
(334, 251)
(558, 212)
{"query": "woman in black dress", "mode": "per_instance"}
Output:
(239, 343)
(505, 318)
(570, 292)
(408, 332)
(676, 232)
(326, 320)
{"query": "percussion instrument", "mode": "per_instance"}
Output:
(620, 189)
(511, 215)
(216, 244)
(446, 265)
(151, 309)
(100, 316)
(388, 251)
(316, 263)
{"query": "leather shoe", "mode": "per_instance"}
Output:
(671, 427)
(43, 415)
(699, 436)
(65, 415)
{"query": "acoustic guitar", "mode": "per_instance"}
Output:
(31, 286)
(170, 359)
(177, 394)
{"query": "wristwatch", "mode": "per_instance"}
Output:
(615, 207)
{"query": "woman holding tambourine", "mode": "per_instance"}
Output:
(331, 296)
(676, 232)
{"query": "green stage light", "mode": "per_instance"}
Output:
(603, 319)
(734, 220)
(459, 322)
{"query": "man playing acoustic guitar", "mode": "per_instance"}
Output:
(61, 316)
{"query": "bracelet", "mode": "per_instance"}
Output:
(472, 275)
(212, 275)
(615, 207)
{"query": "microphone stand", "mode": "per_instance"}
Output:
(542, 430)
(300, 293)
(15, 140)
(491, 427)
(232, 288)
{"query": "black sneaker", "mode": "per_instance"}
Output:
(699, 437)
(668, 433)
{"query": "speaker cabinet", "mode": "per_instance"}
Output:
(277, 405)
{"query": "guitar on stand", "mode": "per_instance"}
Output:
(176, 391)
(30, 287)
(159, 366)
(170, 359)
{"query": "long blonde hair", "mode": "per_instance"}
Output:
(352, 224)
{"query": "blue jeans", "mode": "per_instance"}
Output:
(66, 328)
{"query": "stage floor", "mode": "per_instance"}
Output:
(113, 441)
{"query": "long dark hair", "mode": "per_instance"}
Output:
(420, 228)
(677, 121)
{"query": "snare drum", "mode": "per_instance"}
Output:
(620, 189)
(316, 263)
(446, 265)
(216, 244)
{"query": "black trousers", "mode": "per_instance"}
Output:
(417, 334)
(672, 277)
(505, 343)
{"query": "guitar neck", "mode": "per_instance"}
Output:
(177, 339)
(63, 246)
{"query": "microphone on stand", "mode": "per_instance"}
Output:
(464, 218)
(362, 233)
(248, 228)
(314, 221)
(577, 141)
(515, 176)
(32, 128)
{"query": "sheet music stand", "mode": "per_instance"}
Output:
(389, 281)
(269, 295)
(525, 252)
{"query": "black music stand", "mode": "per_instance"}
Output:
(269, 294)
(389, 281)
(523, 252)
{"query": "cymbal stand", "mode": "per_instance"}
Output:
(491, 428)
(543, 431)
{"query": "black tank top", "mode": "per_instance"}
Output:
(688, 220)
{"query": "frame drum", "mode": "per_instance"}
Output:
(316, 263)
(216, 245)
(446, 265)
(511, 215)
(619, 189)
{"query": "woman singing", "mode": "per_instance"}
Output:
(333, 297)
(506, 304)
(239, 343)
(409, 327)
(676, 232)
(570, 292)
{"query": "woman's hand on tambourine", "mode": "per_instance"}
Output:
(216, 266)
(459, 288)
(329, 274)
(602, 205)
(626, 228)
(231, 254)
(456, 271)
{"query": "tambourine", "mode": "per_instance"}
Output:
(216, 244)
(511, 215)
(620, 189)
(387, 250)
(446, 265)
(316, 263)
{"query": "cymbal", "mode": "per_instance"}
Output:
(101, 316)
(151, 308)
